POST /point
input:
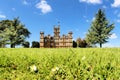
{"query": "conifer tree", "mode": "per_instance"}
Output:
(100, 29)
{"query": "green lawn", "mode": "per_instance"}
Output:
(60, 64)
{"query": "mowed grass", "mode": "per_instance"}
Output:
(60, 64)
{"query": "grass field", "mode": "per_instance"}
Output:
(60, 64)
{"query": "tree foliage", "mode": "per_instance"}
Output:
(74, 44)
(35, 44)
(100, 29)
(81, 43)
(5, 32)
(26, 44)
(13, 32)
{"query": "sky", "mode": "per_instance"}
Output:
(71, 15)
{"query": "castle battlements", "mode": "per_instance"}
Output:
(56, 41)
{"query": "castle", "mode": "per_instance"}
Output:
(56, 41)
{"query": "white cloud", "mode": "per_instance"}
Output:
(92, 1)
(104, 6)
(116, 3)
(25, 2)
(13, 9)
(87, 20)
(44, 6)
(118, 20)
(93, 18)
(113, 36)
(2, 16)
(108, 45)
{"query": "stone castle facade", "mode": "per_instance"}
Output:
(56, 41)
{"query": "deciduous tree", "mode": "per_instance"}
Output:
(19, 33)
(81, 43)
(26, 44)
(12, 32)
(74, 44)
(35, 44)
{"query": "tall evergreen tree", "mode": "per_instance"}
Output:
(100, 29)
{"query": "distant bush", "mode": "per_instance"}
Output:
(35, 44)
(74, 44)
(81, 43)
(26, 44)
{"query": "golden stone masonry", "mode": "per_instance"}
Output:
(56, 41)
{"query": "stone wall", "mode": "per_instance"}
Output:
(56, 41)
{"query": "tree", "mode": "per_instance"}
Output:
(4, 32)
(100, 29)
(74, 44)
(19, 33)
(12, 32)
(78, 42)
(26, 44)
(35, 44)
(81, 43)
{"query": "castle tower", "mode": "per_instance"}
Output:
(70, 44)
(41, 39)
(64, 40)
(57, 35)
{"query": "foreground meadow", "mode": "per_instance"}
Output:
(60, 64)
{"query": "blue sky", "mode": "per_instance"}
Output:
(73, 15)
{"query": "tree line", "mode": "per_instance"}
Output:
(13, 32)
